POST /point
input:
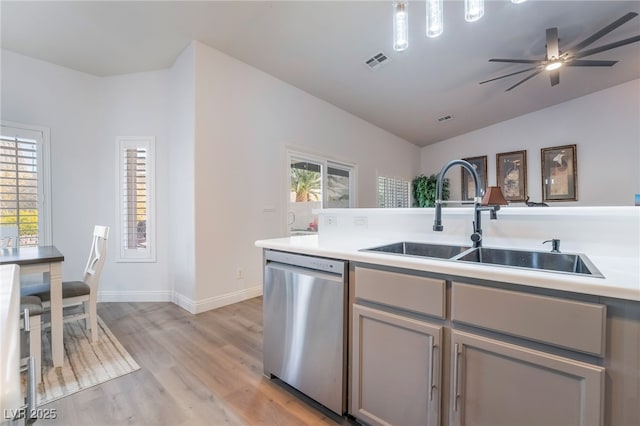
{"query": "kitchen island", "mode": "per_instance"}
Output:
(460, 343)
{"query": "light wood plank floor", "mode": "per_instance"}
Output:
(203, 369)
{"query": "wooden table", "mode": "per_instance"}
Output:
(47, 260)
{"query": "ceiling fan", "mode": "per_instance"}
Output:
(571, 58)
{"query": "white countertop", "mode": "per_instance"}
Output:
(622, 274)
(10, 391)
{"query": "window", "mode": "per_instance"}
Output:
(316, 183)
(25, 183)
(136, 208)
(393, 192)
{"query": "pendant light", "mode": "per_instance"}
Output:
(400, 26)
(473, 10)
(434, 17)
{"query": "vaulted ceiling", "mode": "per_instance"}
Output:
(321, 47)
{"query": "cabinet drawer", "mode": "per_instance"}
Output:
(410, 292)
(569, 324)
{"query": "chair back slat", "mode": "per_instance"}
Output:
(97, 256)
(9, 236)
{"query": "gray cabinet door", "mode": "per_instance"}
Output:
(496, 383)
(396, 369)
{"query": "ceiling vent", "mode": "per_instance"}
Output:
(376, 61)
(444, 118)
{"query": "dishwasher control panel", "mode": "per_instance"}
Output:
(317, 263)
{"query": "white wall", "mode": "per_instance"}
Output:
(135, 105)
(604, 125)
(222, 130)
(182, 179)
(43, 94)
(245, 120)
(85, 115)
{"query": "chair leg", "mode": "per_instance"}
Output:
(35, 344)
(91, 320)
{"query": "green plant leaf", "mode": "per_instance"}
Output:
(424, 190)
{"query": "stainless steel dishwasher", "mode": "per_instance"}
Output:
(304, 320)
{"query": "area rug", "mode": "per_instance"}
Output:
(86, 363)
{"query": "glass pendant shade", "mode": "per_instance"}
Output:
(473, 10)
(400, 26)
(434, 18)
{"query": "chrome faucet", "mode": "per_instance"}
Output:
(476, 237)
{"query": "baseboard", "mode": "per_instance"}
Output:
(195, 307)
(134, 296)
(184, 302)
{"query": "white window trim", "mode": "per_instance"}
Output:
(136, 255)
(44, 186)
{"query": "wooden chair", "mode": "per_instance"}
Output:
(84, 292)
(34, 305)
(9, 235)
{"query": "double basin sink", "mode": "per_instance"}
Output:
(568, 263)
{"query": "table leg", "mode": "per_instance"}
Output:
(57, 342)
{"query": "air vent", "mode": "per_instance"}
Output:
(376, 61)
(444, 118)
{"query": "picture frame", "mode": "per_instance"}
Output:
(468, 189)
(559, 173)
(511, 174)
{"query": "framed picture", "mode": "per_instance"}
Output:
(511, 175)
(468, 188)
(559, 173)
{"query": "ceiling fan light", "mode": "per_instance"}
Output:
(400, 26)
(553, 66)
(473, 10)
(434, 18)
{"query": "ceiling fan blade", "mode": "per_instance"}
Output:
(589, 63)
(606, 30)
(533, 74)
(553, 51)
(607, 47)
(507, 75)
(555, 77)
(516, 61)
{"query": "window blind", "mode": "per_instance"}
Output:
(135, 193)
(393, 192)
(134, 198)
(19, 187)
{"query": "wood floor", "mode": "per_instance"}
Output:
(203, 369)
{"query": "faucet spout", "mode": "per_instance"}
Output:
(476, 237)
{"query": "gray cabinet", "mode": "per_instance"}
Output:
(428, 350)
(497, 383)
(396, 368)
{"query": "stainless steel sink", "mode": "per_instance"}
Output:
(542, 261)
(438, 251)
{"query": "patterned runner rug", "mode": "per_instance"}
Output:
(86, 363)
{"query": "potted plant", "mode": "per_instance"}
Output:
(424, 190)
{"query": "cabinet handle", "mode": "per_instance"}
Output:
(456, 361)
(432, 374)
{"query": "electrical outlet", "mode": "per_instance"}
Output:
(331, 220)
(360, 221)
(239, 274)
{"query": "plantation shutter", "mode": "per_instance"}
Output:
(20, 183)
(135, 199)
(393, 192)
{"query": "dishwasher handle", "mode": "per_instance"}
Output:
(332, 266)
